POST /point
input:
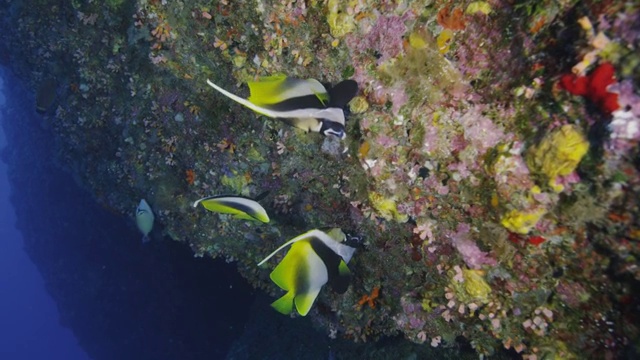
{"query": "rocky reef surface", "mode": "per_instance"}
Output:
(491, 162)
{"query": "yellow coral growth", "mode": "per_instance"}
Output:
(444, 41)
(559, 154)
(358, 105)
(386, 207)
(475, 285)
(479, 7)
(417, 41)
(340, 23)
(238, 183)
(522, 222)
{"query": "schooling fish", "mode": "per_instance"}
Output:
(302, 103)
(315, 258)
(144, 220)
(238, 206)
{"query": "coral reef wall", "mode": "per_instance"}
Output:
(491, 162)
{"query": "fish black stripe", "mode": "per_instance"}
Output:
(297, 103)
(244, 208)
(339, 283)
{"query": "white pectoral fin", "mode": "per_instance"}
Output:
(307, 124)
(243, 101)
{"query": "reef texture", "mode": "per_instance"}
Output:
(491, 163)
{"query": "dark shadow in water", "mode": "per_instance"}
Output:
(122, 299)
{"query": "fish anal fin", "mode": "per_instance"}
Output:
(305, 300)
(243, 216)
(284, 305)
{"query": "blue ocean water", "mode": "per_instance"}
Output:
(77, 283)
(30, 327)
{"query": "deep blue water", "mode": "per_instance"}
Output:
(75, 280)
(30, 326)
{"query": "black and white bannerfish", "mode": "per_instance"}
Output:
(238, 206)
(315, 258)
(144, 220)
(302, 103)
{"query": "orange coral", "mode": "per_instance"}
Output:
(369, 298)
(191, 176)
(536, 26)
(451, 19)
(162, 32)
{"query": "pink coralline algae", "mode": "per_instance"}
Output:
(627, 27)
(480, 131)
(627, 98)
(625, 125)
(481, 47)
(412, 316)
(510, 170)
(385, 36)
(471, 254)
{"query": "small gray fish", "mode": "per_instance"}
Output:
(144, 220)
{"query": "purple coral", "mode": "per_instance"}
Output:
(625, 125)
(627, 97)
(385, 37)
(627, 27)
(480, 131)
(471, 254)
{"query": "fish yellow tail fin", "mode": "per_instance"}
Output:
(284, 305)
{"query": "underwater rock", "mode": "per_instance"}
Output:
(46, 95)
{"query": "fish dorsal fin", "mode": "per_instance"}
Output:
(340, 283)
(276, 89)
(284, 305)
(305, 300)
(306, 235)
(342, 93)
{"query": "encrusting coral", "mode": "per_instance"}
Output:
(491, 184)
